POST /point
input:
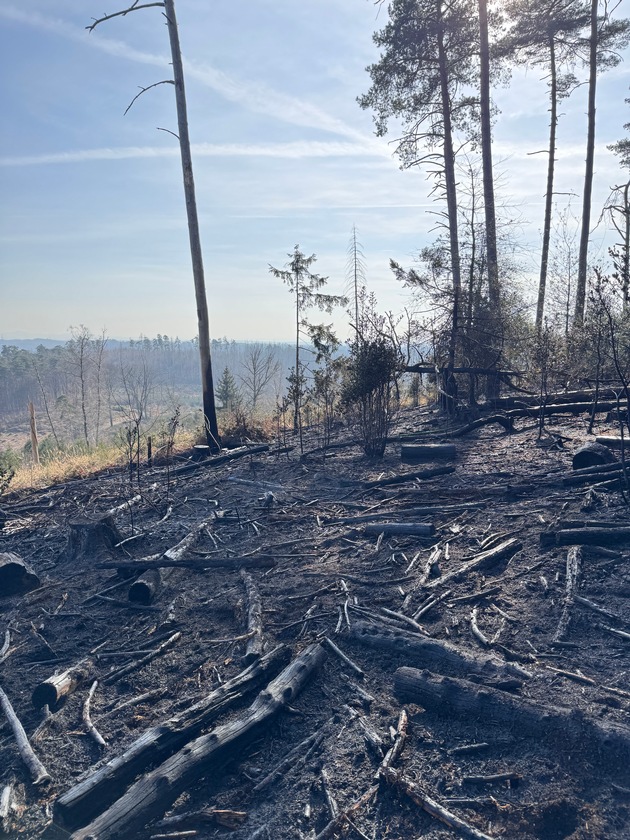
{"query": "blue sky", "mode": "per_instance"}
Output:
(92, 224)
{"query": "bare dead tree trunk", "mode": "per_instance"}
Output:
(553, 126)
(451, 203)
(580, 293)
(486, 154)
(494, 326)
(34, 441)
(209, 408)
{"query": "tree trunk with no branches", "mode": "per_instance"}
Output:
(207, 385)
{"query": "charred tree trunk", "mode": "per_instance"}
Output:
(580, 292)
(553, 127)
(207, 384)
(450, 383)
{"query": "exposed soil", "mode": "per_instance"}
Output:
(322, 573)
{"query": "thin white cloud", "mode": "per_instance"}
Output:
(254, 96)
(295, 150)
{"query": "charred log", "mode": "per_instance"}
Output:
(592, 455)
(51, 691)
(155, 792)
(16, 576)
(567, 727)
(97, 792)
(443, 656)
(427, 451)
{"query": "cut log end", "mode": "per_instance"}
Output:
(592, 455)
(16, 576)
(45, 694)
(146, 588)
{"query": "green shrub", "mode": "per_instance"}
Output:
(10, 461)
(371, 374)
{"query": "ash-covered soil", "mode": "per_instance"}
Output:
(328, 579)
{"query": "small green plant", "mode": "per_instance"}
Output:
(9, 463)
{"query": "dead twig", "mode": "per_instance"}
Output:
(87, 720)
(38, 772)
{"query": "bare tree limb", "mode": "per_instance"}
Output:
(145, 89)
(133, 8)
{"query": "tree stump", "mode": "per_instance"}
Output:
(91, 539)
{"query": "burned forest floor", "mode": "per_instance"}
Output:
(508, 651)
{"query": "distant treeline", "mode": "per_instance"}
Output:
(89, 383)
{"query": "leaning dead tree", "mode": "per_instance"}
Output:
(207, 385)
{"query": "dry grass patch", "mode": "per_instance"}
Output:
(65, 467)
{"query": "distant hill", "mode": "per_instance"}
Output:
(29, 343)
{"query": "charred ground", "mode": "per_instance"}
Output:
(331, 578)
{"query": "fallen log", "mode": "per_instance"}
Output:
(401, 529)
(209, 816)
(613, 441)
(124, 506)
(480, 371)
(156, 791)
(87, 720)
(548, 409)
(16, 576)
(52, 690)
(420, 475)
(585, 536)
(578, 396)
(427, 451)
(38, 772)
(241, 452)
(160, 561)
(426, 651)
(98, 790)
(505, 549)
(6, 801)
(501, 419)
(425, 510)
(254, 647)
(152, 580)
(591, 473)
(146, 588)
(568, 728)
(569, 524)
